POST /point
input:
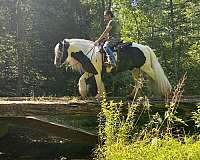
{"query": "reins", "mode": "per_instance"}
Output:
(90, 51)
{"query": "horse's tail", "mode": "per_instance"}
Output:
(160, 84)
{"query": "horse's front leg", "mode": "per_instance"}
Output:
(138, 83)
(100, 85)
(82, 84)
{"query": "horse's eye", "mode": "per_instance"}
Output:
(59, 53)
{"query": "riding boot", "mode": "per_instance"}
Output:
(111, 61)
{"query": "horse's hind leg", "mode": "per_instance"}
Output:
(82, 84)
(136, 74)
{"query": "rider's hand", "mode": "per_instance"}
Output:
(96, 43)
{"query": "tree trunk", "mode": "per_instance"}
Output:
(103, 7)
(20, 40)
(137, 25)
(173, 37)
(109, 4)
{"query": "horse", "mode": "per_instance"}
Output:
(82, 56)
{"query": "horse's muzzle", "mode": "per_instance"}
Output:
(57, 65)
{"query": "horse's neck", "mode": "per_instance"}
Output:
(88, 49)
(86, 46)
(81, 44)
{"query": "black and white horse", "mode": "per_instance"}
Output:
(86, 58)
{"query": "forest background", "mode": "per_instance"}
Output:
(29, 31)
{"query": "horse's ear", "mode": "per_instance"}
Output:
(60, 45)
(66, 44)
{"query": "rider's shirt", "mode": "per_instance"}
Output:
(115, 31)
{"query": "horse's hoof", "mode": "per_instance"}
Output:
(99, 97)
(129, 98)
(83, 97)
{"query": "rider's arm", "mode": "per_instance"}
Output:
(104, 34)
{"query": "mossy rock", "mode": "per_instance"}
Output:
(3, 130)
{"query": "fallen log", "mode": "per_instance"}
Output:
(73, 135)
(41, 106)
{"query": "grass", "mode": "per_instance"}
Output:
(166, 148)
(123, 139)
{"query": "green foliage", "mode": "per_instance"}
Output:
(116, 126)
(166, 148)
(172, 35)
(117, 86)
(191, 65)
(47, 22)
(122, 137)
(196, 117)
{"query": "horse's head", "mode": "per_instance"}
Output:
(61, 53)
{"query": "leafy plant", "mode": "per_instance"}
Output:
(123, 138)
(196, 117)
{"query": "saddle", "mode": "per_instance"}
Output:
(116, 50)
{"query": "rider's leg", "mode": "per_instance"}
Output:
(109, 53)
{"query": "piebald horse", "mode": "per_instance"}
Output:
(87, 59)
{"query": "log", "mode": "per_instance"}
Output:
(41, 106)
(73, 135)
(58, 106)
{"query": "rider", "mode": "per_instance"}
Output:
(112, 36)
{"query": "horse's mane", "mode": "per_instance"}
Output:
(85, 46)
(80, 40)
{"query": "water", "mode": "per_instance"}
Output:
(23, 143)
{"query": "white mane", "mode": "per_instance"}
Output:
(81, 44)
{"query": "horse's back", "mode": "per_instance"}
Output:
(130, 56)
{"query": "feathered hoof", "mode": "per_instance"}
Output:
(99, 97)
(83, 98)
(129, 98)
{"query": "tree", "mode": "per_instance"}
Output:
(20, 46)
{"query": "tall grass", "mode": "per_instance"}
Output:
(166, 148)
(123, 136)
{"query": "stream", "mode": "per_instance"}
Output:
(23, 143)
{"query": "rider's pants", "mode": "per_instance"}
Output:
(107, 48)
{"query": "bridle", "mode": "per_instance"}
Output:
(63, 47)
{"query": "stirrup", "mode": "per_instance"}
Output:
(108, 63)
